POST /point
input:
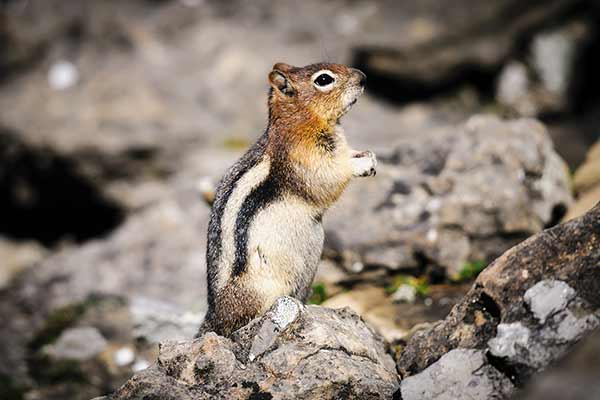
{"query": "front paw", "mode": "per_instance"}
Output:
(363, 163)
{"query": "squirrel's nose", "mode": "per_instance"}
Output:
(362, 78)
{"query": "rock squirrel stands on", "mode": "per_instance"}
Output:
(265, 235)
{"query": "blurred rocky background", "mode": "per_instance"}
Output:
(117, 118)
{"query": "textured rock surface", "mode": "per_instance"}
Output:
(462, 196)
(459, 374)
(524, 312)
(292, 352)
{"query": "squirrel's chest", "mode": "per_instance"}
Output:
(324, 171)
(286, 241)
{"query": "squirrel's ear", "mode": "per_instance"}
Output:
(280, 82)
(283, 67)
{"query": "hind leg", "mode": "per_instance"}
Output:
(235, 306)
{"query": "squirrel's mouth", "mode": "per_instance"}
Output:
(351, 97)
(349, 106)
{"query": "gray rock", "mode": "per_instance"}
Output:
(284, 312)
(459, 374)
(81, 343)
(462, 196)
(554, 55)
(548, 297)
(511, 339)
(538, 349)
(292, 352)
(513, 89)
(549, 81)
(563, 320)
(156, 321)
(555, 273)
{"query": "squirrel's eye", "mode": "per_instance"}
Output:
(324, 80)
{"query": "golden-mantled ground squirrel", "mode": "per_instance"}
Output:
(265, 235)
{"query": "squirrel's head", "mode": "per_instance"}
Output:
(324, 91)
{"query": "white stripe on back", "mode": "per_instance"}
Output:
(251, 179)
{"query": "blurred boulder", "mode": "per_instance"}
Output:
(548, 80)
(31, 30)
(444, 201)
(513, 89)
(523, 313)
(154, 262)
(470, 41)
(23, 42)
(554, 57)
(90, 346)
(292, 352)
(83, 348)
(77, 344)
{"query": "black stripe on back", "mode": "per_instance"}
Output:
(261, 196)
(226, 187)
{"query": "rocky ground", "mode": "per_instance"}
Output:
(524, 312)
(117, 118)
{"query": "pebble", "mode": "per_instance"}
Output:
(63, 75)
(124, 356)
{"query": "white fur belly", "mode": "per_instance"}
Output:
(284, 249)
